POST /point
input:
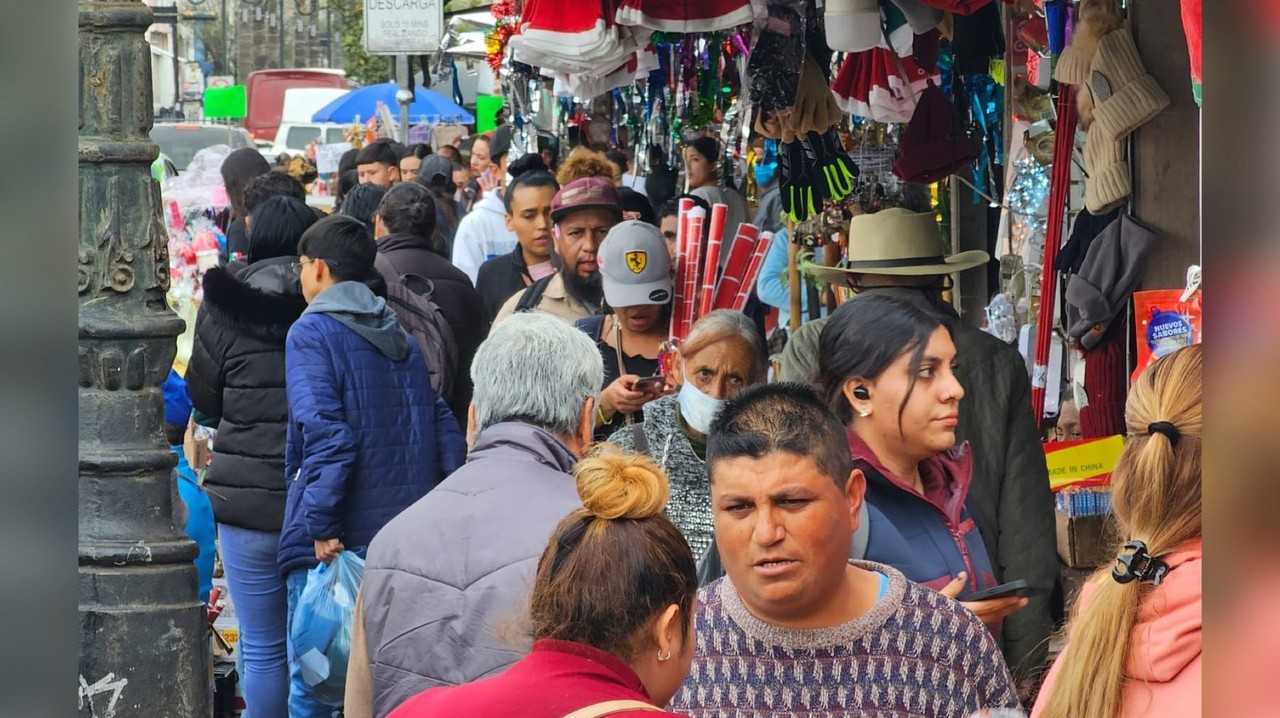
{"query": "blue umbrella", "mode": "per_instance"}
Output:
(429, 107)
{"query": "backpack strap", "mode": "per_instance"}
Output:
(532, 295)
(610, 707)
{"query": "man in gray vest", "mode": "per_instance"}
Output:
(447, 580)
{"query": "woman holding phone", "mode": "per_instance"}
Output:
(635, 272)
(887, 370)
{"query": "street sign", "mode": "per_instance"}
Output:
(402, 27)
(220, 81)
(226, 103)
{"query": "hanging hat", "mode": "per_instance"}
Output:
(1110, 272)
(852, 25)
(1125, 97)
(871, 85)
(934, 144)
(1108, 183)
(685, 16)
(898, 242)
(922, 18)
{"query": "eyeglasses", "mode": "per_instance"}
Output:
(297, 266)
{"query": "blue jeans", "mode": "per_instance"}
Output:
(301, 704)
(261, 604)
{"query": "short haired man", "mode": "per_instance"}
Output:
(894, 252)
(583, 211)
(404, 226)
(367, 435)
(795, 626)
(378, 163)
(483, 233)
(528, 201)
(445, 579)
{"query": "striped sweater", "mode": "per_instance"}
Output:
(916, 654)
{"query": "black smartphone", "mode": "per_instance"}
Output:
(1018, 588)
(649, 383)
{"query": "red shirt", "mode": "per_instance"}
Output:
(555, 679)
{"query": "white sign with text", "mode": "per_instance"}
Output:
(403, 27)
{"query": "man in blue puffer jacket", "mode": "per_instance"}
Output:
(367, 435)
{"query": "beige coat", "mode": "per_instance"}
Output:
(555, 300)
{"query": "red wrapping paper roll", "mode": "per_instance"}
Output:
(753, 271)
(740, 253)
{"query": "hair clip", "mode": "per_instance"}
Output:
(1134, 563)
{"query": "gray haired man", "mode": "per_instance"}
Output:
(444, 580)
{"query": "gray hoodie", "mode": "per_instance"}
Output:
(366, 314)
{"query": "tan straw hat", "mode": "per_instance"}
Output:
(901, 243)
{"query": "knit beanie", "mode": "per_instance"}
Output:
(1125, 97)
(852, 25)
(935, 143)
(1105, 386)
(1108, 183)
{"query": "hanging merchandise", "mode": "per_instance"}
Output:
(978, 39)
(935, 143)
(884, 82)
(1111, 270)
(685, 16)
(921, 17)
(852, 25)
(959, 8)
(575, 38)
(776, 60)
(1164, 322)
(1193, 27)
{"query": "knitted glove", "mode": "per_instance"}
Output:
(1125, 97)
(815, 109)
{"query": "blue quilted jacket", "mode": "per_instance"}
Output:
(367, 435)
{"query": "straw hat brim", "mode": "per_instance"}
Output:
(955, 263)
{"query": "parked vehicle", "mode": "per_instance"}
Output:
(266, 96)
(294, 138)
(180, 141)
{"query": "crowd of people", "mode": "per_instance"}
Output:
(458, 376)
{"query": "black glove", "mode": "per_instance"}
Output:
(776, 59)
(839, 173)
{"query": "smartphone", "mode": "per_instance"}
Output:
(1019, 588)
(649, 383)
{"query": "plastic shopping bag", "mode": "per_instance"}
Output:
(321, 631)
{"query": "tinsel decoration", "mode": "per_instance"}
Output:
(495, 43)
(1026, 199)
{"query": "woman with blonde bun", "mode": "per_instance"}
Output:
(1134, 643)
(611, 609)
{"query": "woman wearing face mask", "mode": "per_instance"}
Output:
(887, 370)
(702, 176)
(722, 355)
(636, 278)
(768, 188)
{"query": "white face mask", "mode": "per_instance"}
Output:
(696, 408)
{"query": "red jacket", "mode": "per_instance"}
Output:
(555, 679)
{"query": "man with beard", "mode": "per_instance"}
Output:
(583, 212)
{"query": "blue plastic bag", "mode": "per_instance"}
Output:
(321, 631)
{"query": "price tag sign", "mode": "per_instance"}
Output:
(328, 156)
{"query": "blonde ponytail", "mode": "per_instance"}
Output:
(1156, 499)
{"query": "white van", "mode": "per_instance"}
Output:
(296, 128)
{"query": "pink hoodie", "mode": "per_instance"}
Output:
(1164, 655)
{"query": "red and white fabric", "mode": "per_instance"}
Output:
(871, 85)
(685, 15)
(574, 38)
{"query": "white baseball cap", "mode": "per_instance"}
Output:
(635, 267)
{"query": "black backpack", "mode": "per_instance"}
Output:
(409, 296)
(532, 295)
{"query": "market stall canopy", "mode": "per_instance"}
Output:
(362, 102)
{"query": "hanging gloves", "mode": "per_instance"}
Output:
(838, 171)
(815, 109)
(796, 180)
(774, 67)
(814, 169)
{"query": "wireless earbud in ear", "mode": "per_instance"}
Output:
(862, 393)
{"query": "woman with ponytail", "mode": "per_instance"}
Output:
(611, 609)
(1134, 640)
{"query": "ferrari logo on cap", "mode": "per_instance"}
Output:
(637, 261)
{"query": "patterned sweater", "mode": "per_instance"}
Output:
(689, 507)
(916, 654)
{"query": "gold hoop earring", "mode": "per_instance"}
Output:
(664, 655)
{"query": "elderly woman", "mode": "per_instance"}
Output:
(611, 610)
(636, 323)
(722, 355)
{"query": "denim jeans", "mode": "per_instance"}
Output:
(301, 704)
(261, 603)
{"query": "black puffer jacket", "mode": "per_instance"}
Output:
(237, 375)
(457, 299)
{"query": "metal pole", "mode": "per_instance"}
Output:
(143, 633)
(226, 64)
(280, 25)
(328, 30)
(404, 96)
